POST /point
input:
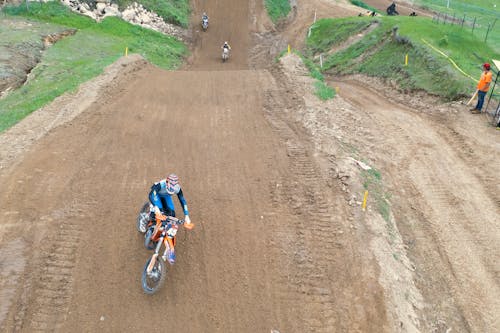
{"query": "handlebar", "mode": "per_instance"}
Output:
(165, 219)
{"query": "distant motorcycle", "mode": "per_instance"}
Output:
(225, 54)
(162, 233)
(204, 24)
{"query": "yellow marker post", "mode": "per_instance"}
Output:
(364, 200)
(406, 59)
(126, 51)
(288, 48)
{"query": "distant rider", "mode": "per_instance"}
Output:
(160, 197)
(226, 46)
(204, 17)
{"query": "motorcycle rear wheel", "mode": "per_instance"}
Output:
(152, 282)
(143, 214)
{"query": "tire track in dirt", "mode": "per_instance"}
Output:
(317, 233)
(45, 300)
(53, 291)
(314, 225)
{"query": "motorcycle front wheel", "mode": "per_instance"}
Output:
(152, 282)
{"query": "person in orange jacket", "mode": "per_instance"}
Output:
(482, 88)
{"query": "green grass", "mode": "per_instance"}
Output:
(482, 10)
(323, 91)
(314, 69)
(172, 11)
(277, 9)
(328, 32)
(364, 5)
(372, 181)
(376, 53)
(81, 57)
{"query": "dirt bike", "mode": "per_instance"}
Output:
(204, 24)
(147, 216)
(225, 54)
(162, 233)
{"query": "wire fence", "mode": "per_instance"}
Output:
(466, 22)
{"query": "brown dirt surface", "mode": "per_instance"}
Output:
(274, 183)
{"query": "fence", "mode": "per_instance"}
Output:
(465, 22)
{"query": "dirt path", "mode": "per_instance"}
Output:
(268, 251)
(274, 189)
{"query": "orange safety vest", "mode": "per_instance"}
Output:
(484, 82)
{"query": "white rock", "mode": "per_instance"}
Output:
(100, 7)
(111, 11)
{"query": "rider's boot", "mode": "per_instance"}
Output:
(170, 256)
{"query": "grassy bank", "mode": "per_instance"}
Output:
(378, 53)
(277, 9)
(483, 14)
(361, 4)
(172, 11)
(79, 58)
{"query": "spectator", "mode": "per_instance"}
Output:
(482, 88)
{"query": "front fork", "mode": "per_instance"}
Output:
(169, 245)
(155, 255)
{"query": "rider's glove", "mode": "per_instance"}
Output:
(187, 223)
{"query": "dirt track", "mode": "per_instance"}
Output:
(279, 242)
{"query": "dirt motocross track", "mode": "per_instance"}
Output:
(273, 181)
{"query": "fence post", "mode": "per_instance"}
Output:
(463, 21)
(473, 25)
(445, 17)
(487, 31)
(321, 60)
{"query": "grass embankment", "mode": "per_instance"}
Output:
(364, 5)
(481, 13)
(377, 53)
(79, 58)
(277, 9)
(172, 11)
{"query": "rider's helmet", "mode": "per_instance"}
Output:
(486, 66)
(173, 186)
(204, 14)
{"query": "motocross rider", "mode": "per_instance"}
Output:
(161, 197)
(226, 46)
(204, 16)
